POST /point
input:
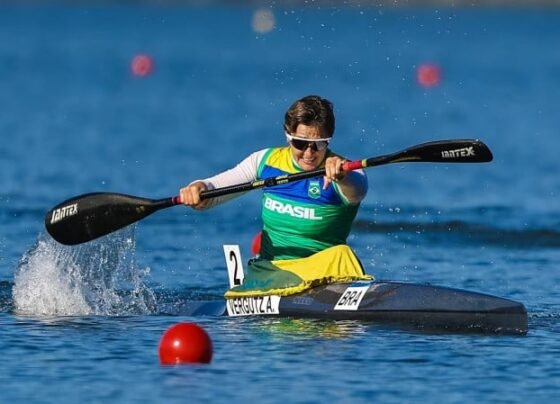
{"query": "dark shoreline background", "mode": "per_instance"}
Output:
(307, 3)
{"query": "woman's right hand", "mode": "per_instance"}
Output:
(190, 195)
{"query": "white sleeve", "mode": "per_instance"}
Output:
(245, 171)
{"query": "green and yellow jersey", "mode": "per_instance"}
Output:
(299, 218)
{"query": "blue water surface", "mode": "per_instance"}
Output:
(83, 323)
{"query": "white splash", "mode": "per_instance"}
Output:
(97, 278)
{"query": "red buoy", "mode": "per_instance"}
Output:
(428, 75)
(256, 244)
(185, 343)
(142, 65)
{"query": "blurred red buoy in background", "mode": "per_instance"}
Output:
(142, 65)
(428, 75)
(185, 343)
(256, 244)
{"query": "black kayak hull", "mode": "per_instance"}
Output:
(421, 306)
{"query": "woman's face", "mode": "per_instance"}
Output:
(308, 156)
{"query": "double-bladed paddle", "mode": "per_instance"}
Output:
(89, 216)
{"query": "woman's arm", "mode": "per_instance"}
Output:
(245, 171)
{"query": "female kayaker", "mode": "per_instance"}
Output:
(301, 218)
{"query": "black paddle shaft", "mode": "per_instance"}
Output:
(87, 217)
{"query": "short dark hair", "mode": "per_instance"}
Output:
(311, 110)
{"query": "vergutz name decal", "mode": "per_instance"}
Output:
(250, 306)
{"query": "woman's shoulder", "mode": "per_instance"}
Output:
(278, 157)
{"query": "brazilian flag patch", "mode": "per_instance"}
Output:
(314, 190)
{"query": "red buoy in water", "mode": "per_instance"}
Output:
(185, 343)
(142, 65)
(256, 244)
(428, 75)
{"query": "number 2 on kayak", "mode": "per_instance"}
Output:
(234, 264)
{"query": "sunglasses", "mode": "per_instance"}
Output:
(302, 143)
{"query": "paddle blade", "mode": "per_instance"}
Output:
(87, 217)
(442, 151)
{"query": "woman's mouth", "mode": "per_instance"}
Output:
(308, 161)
